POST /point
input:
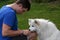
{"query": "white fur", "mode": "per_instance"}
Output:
(45, 29)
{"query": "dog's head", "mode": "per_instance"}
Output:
(37, 24)
(43, 27)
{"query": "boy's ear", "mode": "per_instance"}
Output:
(20, 5)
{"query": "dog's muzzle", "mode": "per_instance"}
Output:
(32, 29)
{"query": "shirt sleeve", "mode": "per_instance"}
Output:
(9, 19)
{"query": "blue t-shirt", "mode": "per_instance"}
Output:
(8, 17)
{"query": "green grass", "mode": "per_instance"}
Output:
(43, 10)
(46, 11)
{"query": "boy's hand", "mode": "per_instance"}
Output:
(26, 32)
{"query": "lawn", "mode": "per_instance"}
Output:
(42, 10)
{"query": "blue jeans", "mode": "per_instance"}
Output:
(20, 37)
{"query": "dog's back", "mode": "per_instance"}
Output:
(48, 30)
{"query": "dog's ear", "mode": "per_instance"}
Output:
(30, 20)
(36, 22)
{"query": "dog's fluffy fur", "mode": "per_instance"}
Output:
(45, 29)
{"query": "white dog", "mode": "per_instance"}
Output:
(45, 29)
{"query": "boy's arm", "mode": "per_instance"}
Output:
(7, 32)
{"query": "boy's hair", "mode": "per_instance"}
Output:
(25, 3)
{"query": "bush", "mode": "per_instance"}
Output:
(5, 2)
(44, 1)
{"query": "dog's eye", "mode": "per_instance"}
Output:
(32, 26)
